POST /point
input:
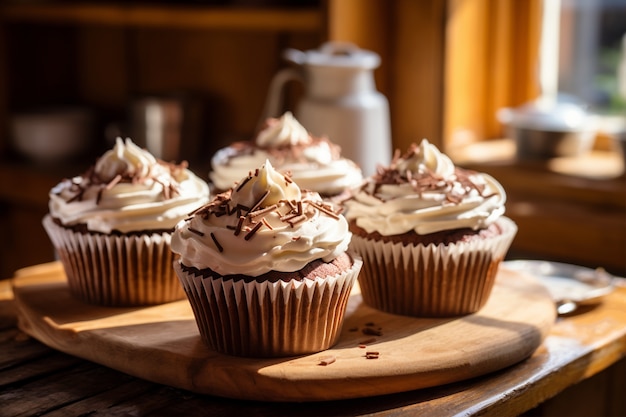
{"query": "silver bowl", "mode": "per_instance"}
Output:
(545, 128)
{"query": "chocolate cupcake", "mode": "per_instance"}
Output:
(112, 226)
(265, 268)
(431, 235)
(314, 163)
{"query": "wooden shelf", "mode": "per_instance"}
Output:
(188, 16)
(562, 217)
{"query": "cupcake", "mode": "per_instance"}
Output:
(266, 269)
(112, 226)
(431, 235)
(314, 163)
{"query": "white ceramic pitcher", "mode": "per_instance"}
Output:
(340, 100)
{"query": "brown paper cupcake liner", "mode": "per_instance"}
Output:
(116, 271)
(269, 319)
(431, 280)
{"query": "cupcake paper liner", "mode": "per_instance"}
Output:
(269, 319)
(431, 280)
(116, 271)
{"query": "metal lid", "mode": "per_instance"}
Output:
(336, 54)
(559, 113)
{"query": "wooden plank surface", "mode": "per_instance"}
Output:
(161, 343)
(578, 346)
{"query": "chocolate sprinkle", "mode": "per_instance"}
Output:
(217, 244)
(91, 178)
(198, 232)
(426, 180)
(251, 219)
(371, 331)
(253, 231)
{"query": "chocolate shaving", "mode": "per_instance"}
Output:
(258, 203)
(90, 178)
(266, 223)
(290, 203)
(251, 219)
(253, 231)
(288, 217)
(198, 232)
(371, 331)
(217, 244)
(297, 219)
(113, 182)
(264, 211)
(244, 182)
(239, 225)
(325, 209)
(99, 196)
(455, 188)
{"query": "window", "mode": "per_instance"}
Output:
(593, 45)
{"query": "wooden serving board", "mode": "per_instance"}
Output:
(162, 344)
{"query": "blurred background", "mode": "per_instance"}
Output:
(498, 85)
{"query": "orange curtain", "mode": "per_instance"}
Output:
(491, 61)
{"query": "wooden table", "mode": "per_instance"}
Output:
(37, 380)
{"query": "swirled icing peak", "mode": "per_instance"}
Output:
(315, 163)
(422, 191)
(284, 131)
(425, 158)
(127, 190)
(125, 159)
(265, 187)
(264, 223)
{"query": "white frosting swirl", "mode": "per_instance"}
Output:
(285, 131)
(424, 159)
(125, 158)
(266, 223)
(128, 190)
(314, 163)
(232, 163)
(424, 192)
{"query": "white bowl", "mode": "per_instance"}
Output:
(52, 134)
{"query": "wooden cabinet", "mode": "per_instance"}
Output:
(101, 55)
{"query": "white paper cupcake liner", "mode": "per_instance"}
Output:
(269, 319)
(117, 271)
(431, 280)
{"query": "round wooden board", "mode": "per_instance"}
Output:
(162, 343)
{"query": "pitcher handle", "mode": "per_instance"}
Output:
(274, 101)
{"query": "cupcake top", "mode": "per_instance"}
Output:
(312, 162)
(423, 191)
(264, 223)
(128, 190)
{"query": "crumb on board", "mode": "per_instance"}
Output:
(372, 355)
(327, 360)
